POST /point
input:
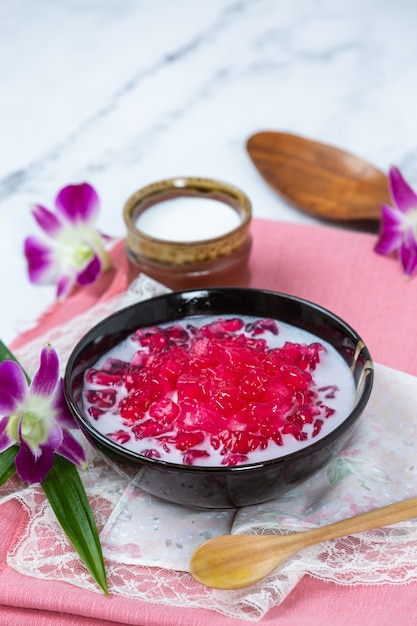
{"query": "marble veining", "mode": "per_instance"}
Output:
(122, 93)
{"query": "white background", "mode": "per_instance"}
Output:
(121, 93)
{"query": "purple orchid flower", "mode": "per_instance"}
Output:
(399, 224)
(36, 418)
(76, 252)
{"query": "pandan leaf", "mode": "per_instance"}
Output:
(68, 499)
(6, 355)
(7, 467)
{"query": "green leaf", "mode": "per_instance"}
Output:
(6, 355)
(68, 499)
(7, 467)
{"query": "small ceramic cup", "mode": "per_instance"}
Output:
(219, 260)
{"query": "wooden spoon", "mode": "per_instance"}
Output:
(319, 179)
(236, 561)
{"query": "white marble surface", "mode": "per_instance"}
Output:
(121, 93)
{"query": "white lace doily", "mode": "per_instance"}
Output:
(377, 467)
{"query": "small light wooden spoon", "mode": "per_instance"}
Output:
(319, 179)
(236, 561)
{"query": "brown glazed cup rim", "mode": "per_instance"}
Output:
(185, 186)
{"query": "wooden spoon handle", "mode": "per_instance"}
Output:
(378, 518)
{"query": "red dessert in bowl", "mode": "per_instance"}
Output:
(219, 397)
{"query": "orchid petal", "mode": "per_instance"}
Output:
(32, 468)
(41, 260)
(402, 195)
(78, 203)
(47, 220)
(391, 234)
(5, 440)
(64, 286)
(13, 387)
(63, 415)
(104, 237)
(55, 437)
(408, 254)
(90, 273)
(46, 378)
(72, 450)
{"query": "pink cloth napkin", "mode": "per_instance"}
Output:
(335, 268)
(331, 267)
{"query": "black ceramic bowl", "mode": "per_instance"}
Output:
(222, 486)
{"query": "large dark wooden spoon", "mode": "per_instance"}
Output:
(322, 180)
